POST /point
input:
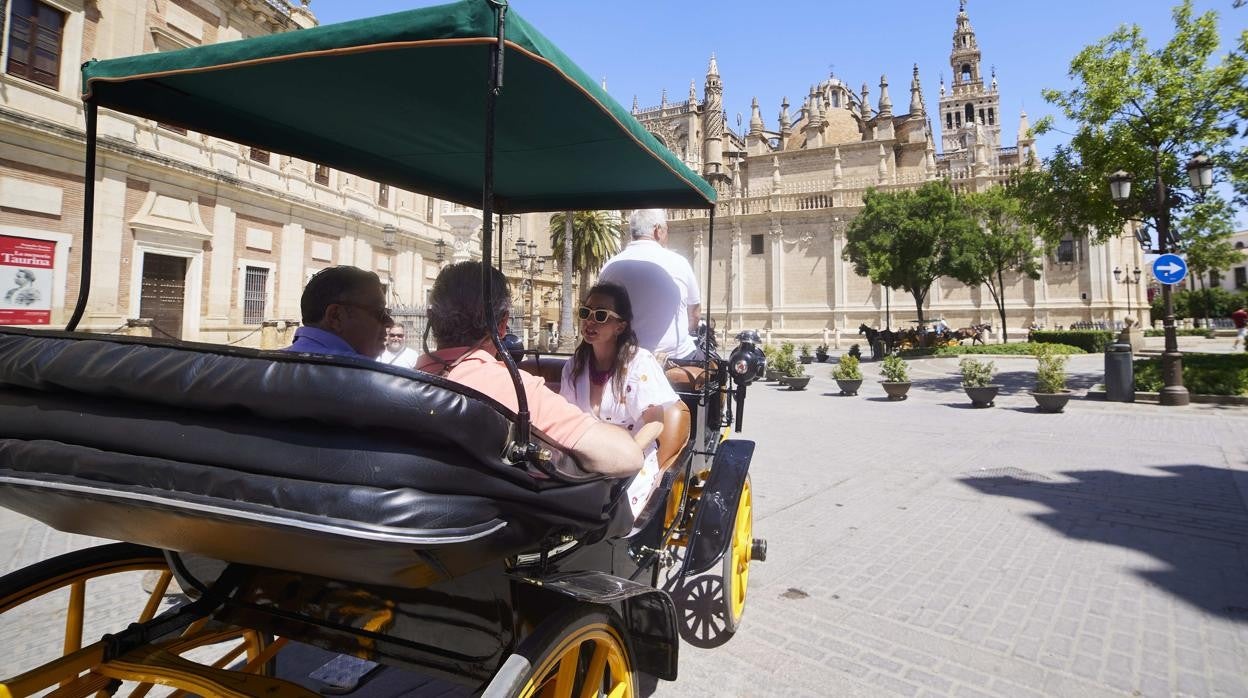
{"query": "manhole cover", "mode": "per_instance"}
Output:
(1016, 473)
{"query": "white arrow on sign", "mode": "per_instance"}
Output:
(1170, 268)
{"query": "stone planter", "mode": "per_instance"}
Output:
(795, 382)
(1051, 402)
(806, 359)
(982, 396)
(896, 391)
(849, 386)
(773, 375)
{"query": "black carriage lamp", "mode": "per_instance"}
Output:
(1132, 279)
(389, 235)
(440, 248)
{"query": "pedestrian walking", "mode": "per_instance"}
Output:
(1240, 318)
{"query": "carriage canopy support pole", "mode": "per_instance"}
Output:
(706, 342)
(88, 219)
(520, 444)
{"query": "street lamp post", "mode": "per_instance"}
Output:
(1128, 282)
(1200, 174)
(530, 266)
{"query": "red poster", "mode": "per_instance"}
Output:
(26, 267)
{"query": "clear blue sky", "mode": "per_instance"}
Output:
(778, 49)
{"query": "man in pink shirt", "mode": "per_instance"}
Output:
(465, 355)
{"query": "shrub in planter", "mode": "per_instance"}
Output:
(848, 375)
(854, 351)
(977, 381)
(791, 371)
(896, 377)
(821, 353)
(1051, 393)
(805, 356)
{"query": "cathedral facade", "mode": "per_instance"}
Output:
(787, 193)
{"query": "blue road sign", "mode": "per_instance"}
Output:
(1169, 269)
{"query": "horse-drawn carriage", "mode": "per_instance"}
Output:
(312, 501)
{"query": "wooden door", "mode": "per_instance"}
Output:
(164, 294)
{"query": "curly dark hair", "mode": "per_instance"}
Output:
(456, 317)
(625, 343)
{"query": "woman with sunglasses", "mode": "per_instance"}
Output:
(617, 381)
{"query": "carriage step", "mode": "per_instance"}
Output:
(758, 550)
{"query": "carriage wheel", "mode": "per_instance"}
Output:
(579, 655)
(55, 591)
(736, 564)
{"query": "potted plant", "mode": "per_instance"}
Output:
(821, 353)
(855, 352)
(792, 373)
(848, 375)
(977, 381)
(896, 377)
(770, 353)
(1050, 393)
(806, 357)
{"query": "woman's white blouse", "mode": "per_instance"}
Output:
(645, 385)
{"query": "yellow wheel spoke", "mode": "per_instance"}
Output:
(153, 601)
(594, 674)
(567, 672)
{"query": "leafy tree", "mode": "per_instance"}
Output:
(594, 241)
(904, 239)
(1002, 244)
(1145, 112)
(1205, 237)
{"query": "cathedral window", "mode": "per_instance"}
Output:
(992, 119)
(958, 119)
(35, 32)
(258, 155)
(321, 175)
(970, 115)
(756, 244)
(383, 195)
(948, 120)
(966, 72)
(982, 120)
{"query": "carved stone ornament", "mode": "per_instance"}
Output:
(668, 135)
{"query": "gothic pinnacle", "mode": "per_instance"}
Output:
(756, 118)
(866, 102)
(886, 102)
(713, 67)
(916, 93)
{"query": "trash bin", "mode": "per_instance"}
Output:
(1119, 373)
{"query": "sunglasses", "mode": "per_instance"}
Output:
(382, 314)
(598, 315)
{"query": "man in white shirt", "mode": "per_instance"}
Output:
(661, 286)
(396, 352)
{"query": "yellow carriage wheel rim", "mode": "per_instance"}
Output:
(674, 496)
(742, 540)
(556, 676)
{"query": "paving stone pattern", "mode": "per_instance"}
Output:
(923, 548)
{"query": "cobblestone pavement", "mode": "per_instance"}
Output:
(923, 548)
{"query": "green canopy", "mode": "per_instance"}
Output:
(401, 99)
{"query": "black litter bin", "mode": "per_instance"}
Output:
(1119, 373)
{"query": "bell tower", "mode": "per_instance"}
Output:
(968, 103)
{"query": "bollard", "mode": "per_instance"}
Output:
(139, 327)
(268, 334)
(1119, 373)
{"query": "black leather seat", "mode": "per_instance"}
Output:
(327, 465)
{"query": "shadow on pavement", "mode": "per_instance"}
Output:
(1190, 518)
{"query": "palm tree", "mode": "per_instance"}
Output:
(594, 240)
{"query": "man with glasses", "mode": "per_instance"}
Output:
(344, 314)
(396, 352)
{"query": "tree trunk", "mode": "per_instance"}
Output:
(566, 334)
(998, 296)
(918, 304)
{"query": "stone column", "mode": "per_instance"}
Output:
(221, 278)
(269, 335)
(290, 272)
